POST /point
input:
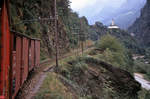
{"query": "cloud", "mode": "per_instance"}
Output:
(80, 4)
(105, 10)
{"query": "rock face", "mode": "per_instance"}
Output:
(141, 27)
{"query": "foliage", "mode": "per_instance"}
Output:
(97, 30)
(24, 17)
(72, 66)
(114, 52)
(115, 58)
(141, 67)
(147, 96)
(144, 94)
(148, 53)
(111, 43)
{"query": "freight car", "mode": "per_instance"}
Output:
(19, 54)
(25, 56)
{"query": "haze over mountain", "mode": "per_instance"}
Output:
(141, 27)
(124, 12)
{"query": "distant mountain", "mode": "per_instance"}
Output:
(123, 16)
(141, 27)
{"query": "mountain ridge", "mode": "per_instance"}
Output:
(118, 14)
(141, 27)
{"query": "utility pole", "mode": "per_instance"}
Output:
(56, 32)
(82, 36)
(75, 35)
(82, 42)
(79, 38)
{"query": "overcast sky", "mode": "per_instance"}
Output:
(102, 10)
(81, 5)
(77, 5)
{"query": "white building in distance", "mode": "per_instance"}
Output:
(132, 34)
(113, 26)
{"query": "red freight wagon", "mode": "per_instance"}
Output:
(18, 55)
(24, 51)
(4, 50)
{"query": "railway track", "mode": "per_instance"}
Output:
(37, 76)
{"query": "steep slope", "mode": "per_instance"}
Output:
(30, 17)
(91, 78)
(141, 27)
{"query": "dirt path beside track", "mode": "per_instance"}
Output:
(33, 84)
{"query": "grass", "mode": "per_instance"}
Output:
(53, 88)
(144, 94)
(147, 77)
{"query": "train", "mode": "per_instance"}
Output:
(19, 55)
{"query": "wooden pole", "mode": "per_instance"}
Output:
(56, 32)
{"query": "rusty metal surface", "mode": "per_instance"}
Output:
(14, 70)
(37, 53)
(24, 60)
(5, 52)
(31, 55)
(18, 63)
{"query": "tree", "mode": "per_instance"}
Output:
(110, 42)
(114, 52)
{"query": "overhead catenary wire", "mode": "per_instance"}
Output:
(35, 20)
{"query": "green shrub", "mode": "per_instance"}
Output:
(147, 96)
(114, 52)
(144, 94)
(110, 42)
(141, 67)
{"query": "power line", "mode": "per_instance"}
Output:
(35, 20)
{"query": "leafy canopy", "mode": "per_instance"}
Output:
(114, 52)
(110, 42)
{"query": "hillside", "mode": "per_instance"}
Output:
(100, 73)
(141, 27)
(87, 77)
(28, 17)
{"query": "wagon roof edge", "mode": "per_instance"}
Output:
(24, 35)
